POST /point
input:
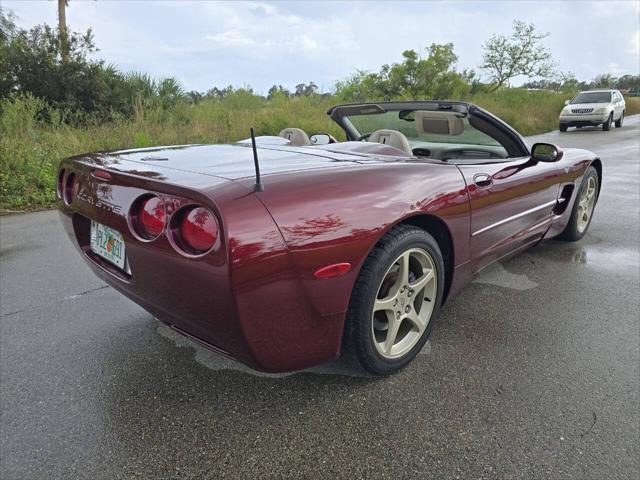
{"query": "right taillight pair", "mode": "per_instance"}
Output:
(192, 230)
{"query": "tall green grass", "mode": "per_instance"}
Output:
(30, 149)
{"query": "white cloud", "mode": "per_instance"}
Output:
(634, 44)
(271, 27)
(262, 43)
(231, 38)
(262, 8)
(614, 69)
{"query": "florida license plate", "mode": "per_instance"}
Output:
(108, 243)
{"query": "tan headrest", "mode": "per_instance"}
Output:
(296, 136)
(392, 138)
(441, 123)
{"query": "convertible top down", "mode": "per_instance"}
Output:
(347, 247)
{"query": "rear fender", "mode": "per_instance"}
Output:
(339, 217)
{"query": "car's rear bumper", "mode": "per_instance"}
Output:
(243, 299)
(236, 315)
(197, 299)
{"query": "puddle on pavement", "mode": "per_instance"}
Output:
(595, 255)
(592, 255)
(497, 275)
(214, 361)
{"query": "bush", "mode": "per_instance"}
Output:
(529, 112)
(78, 89)
(51, 109)
(27, 167)
(30, 147)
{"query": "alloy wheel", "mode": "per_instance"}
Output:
(404, 303)
(586, 204)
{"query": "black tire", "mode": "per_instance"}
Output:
(562, 128)
(620, 120)
(606, 126)
(358, 341)
(571, 232)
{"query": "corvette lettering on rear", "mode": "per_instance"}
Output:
(97, 202)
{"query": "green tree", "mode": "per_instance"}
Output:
(62, 28)
(432, 77)
(359, 87)
(569, 82)
(32, 63)
(219, 93)
(193, 96)
(628, 82)
(520, 54)
(7, 32)
(37, 62)
(304, 90)
(564, 82)
(605, 80)
(278, 91)
(142, 89)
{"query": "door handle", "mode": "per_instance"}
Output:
(482, 180)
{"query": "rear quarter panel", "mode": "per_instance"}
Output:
(191, 294)
(333, 216)
(256, 299)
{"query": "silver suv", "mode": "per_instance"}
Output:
(593, 108)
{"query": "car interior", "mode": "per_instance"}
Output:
(296, 136)
(435, 134)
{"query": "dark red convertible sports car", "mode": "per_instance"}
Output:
(330, 246)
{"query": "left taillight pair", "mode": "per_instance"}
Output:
(192, 230)
(67, 186)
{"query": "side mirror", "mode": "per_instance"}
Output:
(566, 102)
(545, 152)
(320, 139)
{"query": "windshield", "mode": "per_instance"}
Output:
(432, 127)
(592, 97)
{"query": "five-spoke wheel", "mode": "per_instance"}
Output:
(395, 301)
(404, 303)
(585, 202)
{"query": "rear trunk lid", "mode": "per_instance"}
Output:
(196, 166)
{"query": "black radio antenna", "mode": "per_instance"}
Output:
(258, 187)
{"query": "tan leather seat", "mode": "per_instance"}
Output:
(296, 136)
(393, 138)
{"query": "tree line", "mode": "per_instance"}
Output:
(55, 64)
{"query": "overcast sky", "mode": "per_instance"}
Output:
(207, 44)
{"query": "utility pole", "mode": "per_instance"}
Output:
(62, 26)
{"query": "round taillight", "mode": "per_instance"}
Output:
(148, 217)
(60, 184)
(70, 187)
(196, 230)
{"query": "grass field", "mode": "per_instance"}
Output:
(31, 149)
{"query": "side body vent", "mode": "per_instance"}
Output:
(563, 199)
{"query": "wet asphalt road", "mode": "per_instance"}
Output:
(532, 372)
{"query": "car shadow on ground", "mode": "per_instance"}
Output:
(167, 404)
(589, 129)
